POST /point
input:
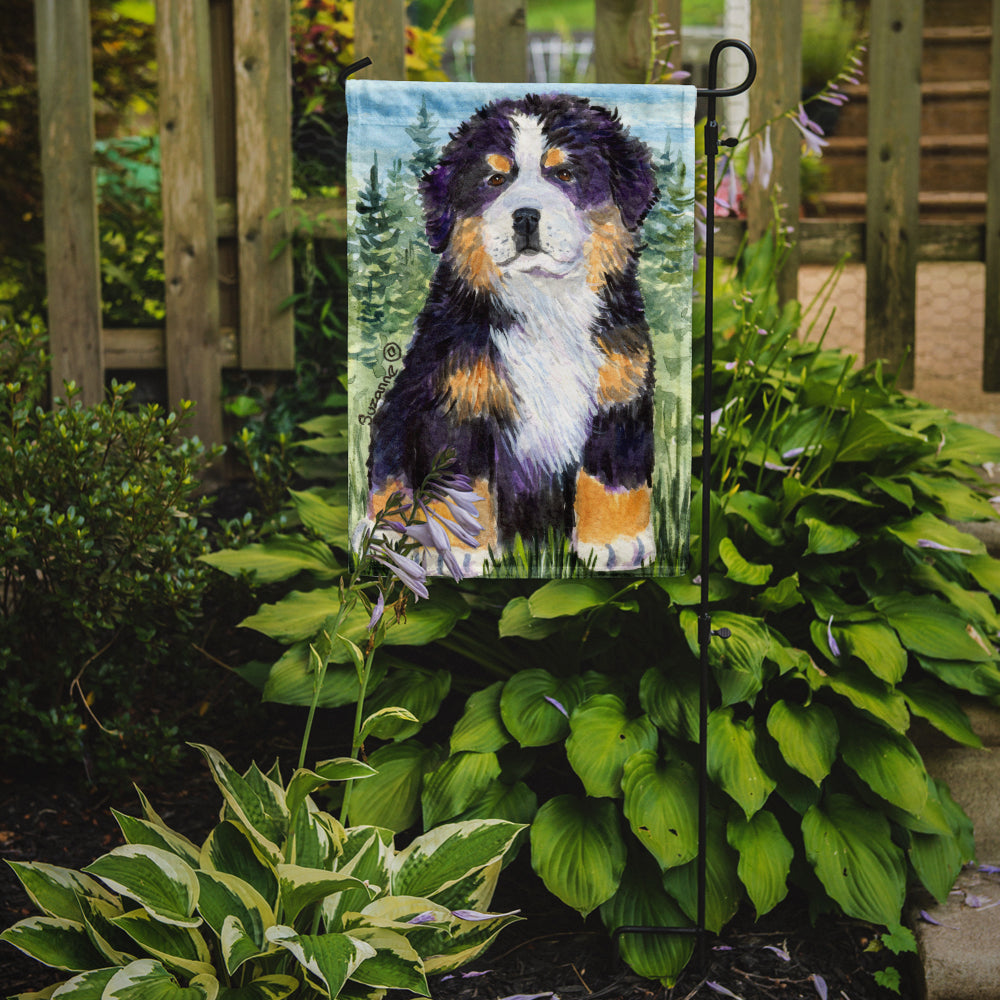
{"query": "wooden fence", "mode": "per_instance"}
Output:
(226, 160)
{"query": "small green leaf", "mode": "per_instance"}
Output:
(932, 628)
(456, 784)
(395, 964)
(578, 851)
(279, 558)
(559, 598)
(888, 763)
(783, 595)
(828, 539)
(765, 858)
(732, 760)
(936, 704)
(418, 690)
(517, 620)
(535, 706)
(740, 570)
(807, 736)
(671, 699)
(481, 727)
(391, 798)
(327, 520)
(928, 528)
(384, 723)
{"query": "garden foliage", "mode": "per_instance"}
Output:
(854, 603)
(99, 546)
(280, 899)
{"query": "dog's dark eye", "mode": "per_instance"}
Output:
(564, 174)
(496, 180)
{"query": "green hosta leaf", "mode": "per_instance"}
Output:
(732, 760)
(827, 539)
(279, 558)
(231, 850)
(740, 570)
(327, 520)
(395, 964)
(159, 881)
(578, 851)
(895, 489)
(965, 443)
(870, 436)
(86, 986)
(481, 728)
(260, 809)
(292, 680)
(807, 736)
(602, 738)
(941, 709)
(671, 699)
(685, 592)
(304, 782)
(517, 620)
(559, 598)
(456, 784)
(928, 528)
(738, 661)
(54, 941)
(225, 897)
(758, 511)
(391, 798)
(888, 763)
(865, 692)
(177, 947)
(330, 959)
(931, 628)
(441, 857)
(641, 901)
(723, 889)
(275, 987)
(850, 847)
(765, 858)
(56, 891)
(973, 604)
(937, 859)
(661, 798)
(386, 723)
(415, 689)
(530, 706)
(986, 571)
(515, 803)
(876, 646)
(976, 678)
(147, 979)
(301, 887)
(141, 831)
(783, 595)
(956, 500)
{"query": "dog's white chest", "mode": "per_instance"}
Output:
(552, 365)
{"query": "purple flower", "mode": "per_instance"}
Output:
(410, 573)
(820, 983)
(427, 917)
(927, 543)
(834, 648)
(780, 952)
(463, 518)
(719, 988)
(761, 162)
(377, 612)
(811, 132)
(552, 701)
(433, 537)
(475, 915)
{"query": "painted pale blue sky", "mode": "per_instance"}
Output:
(379, 111)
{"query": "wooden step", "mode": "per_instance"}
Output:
(945, 12)
(958, 206)
(956, 53)
(947, 163)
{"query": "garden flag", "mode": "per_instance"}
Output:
(520, 314)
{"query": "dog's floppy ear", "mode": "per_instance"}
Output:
(439, 215)
(633, 183)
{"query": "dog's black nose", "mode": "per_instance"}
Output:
(526, 229)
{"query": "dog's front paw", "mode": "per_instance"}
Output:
(625, 552)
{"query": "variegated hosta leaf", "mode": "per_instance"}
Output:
(149, 980)
(578, 851)
(642, 902)
(367, 853)
(275, 987)
(54, 941)
(98, 915)
(300, 887)
(256, 801)
(476, 890)
(661, 799)
(441, 857)
(765, 858)
(329, 959)
(177, 947)
(395, 964)
(141, 831)
(602, 737)
(86, 986)
(807, 736)
(158, 880)
(850, 847)
(304, 782)
(315, 838)
(456, 784)
(56, 891)
(230, 849)
(732, 760)
(481, 727)
(225, 897)
(466, 941)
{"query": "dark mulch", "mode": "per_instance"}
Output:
(551, 951)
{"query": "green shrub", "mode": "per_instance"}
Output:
(854, 605)
(279, 900)
(99, 541)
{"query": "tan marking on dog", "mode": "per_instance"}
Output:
(622, 377)
(478, 391)
(472, 261)
(553, 157)
(500, 163)
(604, 514)
(377, 499)
(487, 511)
(607, 248)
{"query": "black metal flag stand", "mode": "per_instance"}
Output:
(705, 630)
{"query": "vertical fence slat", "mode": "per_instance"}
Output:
(892, 216)
(776, 35)
(501, 41)
(190, 253)
(261, 57)
(72, 257)
(380, 34)
(991, 333)
(622, 39)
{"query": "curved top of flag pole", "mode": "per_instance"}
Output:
(712, 91)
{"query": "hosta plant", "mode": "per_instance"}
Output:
(279, 900)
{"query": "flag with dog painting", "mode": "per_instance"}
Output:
(520, 290)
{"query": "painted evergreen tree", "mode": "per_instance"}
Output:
(422, 133)
(377, 232)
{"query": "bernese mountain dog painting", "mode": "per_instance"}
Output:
(531, 362)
